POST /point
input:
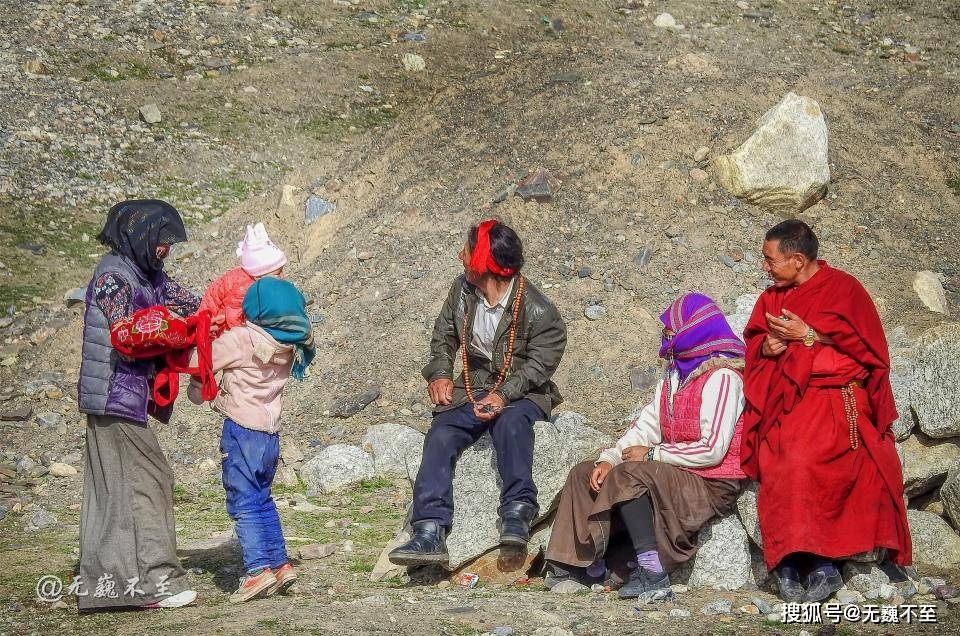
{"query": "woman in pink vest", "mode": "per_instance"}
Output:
(676, 467)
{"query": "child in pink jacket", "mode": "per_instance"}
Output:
(256, 360)
(259, 257)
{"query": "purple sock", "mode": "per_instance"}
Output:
(597, 569)
(650, 560)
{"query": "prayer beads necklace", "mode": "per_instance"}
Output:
(850, 408)
(508, 358)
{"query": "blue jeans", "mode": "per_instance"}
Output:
(249, 464)
(455, 430)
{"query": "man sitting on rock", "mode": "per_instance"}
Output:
(675, 469)
(817, 423)
(510, 339)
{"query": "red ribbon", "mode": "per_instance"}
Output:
(481, 260)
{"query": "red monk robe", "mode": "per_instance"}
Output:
(818, 494)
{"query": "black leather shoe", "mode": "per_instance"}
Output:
(427, 547)
(514, 524)
(643, 580)
(788, 579)
(822, 582)
(558, 573)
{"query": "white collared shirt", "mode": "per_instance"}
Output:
(486, 319)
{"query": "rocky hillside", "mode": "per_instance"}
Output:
(369, 134)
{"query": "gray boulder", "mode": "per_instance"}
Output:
(934, 394)
(950, 494)
(783, 166)
(902, 373)
(723, 560)
(336, 467)
(747, 511)
(739, 318)
(863, 577)
(559, 445)
(934, 541)
(927, 462)
(393, 446)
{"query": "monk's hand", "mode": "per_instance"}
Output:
(598, 475)
(489, 407)
(788, 326)
(635, 453)
(441, 391)
(773, 346)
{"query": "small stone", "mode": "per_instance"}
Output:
(150, 114)
(944, 592)
(654, 597)
(721, 606)
(413, 62)
(501, 631)
(317, 207)
(315, 551)
(665, 21)
(349, 407)
(364, 256)
(19, 414)
(41, 519)
(701, 154)
(597, 588)
(699, 175)
(749, 609)
(568, 587)
(75, 296)
(207, 464)
(763, 606)
(539, 185)
(35, 67)
(59, 469)
(929, 287)
(656, 616)
(585, 272)
(50, 420)
(595, 312)
(680, 613)
(849, 597)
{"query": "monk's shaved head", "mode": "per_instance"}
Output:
(794, 237)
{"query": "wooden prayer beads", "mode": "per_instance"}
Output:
(850, 408)
(502, 375)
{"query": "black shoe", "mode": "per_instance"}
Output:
(788, 579)
(643, 580)
(514, 524)
(822, 582)
(427, 547)
(558, 573)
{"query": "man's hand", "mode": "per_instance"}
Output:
(441, 391)
(787, 328)
(635, 453)
(773, 346)
(598, 475)
(489, 407)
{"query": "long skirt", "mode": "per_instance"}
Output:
(586, 527)
(128, 549)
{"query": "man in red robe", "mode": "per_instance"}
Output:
(817, 421)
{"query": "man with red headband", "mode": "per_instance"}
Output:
(510, 339)
(817, 423)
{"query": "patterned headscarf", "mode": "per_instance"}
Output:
(135, 229)
(700, 332)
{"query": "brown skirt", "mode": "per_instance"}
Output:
(683, 502)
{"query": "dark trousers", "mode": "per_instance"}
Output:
(455, 430)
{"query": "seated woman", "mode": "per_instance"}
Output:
(676, 467)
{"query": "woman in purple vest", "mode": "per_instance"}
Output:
(128, 550)
(676, 467)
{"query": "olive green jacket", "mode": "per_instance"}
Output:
(540, 341)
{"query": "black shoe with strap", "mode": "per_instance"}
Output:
(643, 580)
(514, 524)
(823, 581)
(427, 547)
(788, 580)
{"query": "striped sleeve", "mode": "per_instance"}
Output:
(720, 408)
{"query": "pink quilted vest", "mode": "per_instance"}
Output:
(681, 423)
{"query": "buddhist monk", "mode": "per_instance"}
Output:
(817, 422)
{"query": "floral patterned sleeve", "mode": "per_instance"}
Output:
(113, 294)
(180, 299)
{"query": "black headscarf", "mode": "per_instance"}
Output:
(136, 228)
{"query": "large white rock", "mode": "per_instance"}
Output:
(863, 577)
(558, 447)
(934, 541)
(393, 446)
(929, 288)
(934, 393)
(738, 319)
(950, 494)
(927, 462)
(902, 374)
(747, 511)
(723, 561)
(336, 467)
(783, 166)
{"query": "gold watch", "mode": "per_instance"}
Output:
(810, 338)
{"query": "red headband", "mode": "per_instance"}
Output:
(481, 260)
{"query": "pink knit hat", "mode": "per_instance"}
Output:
(258, 255)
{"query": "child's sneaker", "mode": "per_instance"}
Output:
(253, 585)
(285, 577)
